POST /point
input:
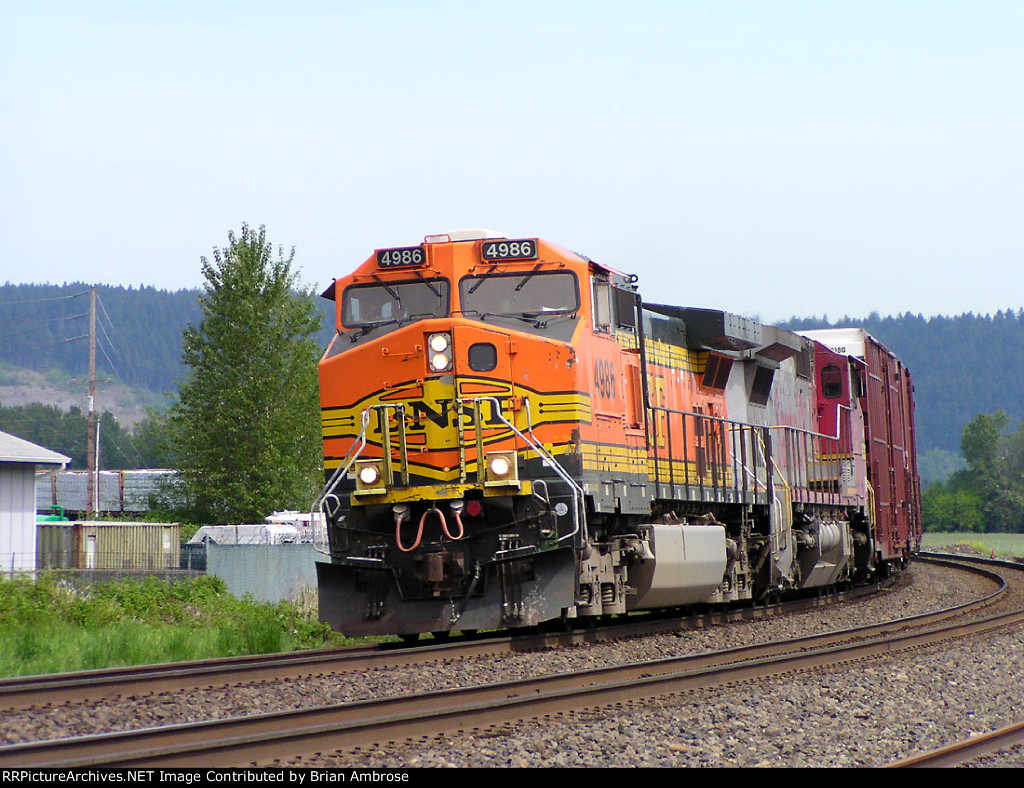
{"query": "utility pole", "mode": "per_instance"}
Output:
(90, 451)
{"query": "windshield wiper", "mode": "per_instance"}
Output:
(366, 328)
(391, 292)
(526, 317)
(528, 277)
(428, 283)
(481, 279)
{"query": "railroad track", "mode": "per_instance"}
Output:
(975, 747)
(63, 688)
(268, 738)
(969, 749)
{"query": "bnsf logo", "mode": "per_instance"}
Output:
(440, 413)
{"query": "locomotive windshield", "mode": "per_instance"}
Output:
(366, 307)
(527, 298)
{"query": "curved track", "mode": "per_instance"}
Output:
(967, 750)
(61, 688)
(284, 736)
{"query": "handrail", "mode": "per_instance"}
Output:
(353, 454)
(564, 475)
(339, 473)
(578, 515)
(743, 425)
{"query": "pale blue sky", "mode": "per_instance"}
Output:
(768, 158)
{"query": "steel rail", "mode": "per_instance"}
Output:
(959, 752)
(49, 689)
(977, 745)
(284, 735)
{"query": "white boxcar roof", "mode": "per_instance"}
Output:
(844, 341)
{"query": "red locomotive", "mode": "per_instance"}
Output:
(511, 436)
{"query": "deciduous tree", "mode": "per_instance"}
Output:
(995, 458)
(246, 426)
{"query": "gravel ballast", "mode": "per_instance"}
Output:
(864, 714)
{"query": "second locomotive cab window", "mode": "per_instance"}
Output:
(832, 382)
(385, 303)
(761, 389)
(529, 296)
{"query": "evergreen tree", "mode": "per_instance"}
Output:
(245, 430)
(65, 432)
(50, 427)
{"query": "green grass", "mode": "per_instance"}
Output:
(1005, 545)
(53, 626)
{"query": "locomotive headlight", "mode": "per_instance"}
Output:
(440, 346)
(369, 477)
(368, 474)
(501, 468)
(439, 362)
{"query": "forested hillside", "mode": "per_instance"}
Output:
(962, 365)
(46, 327)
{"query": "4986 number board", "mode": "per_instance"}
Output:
(522, 249)
(398, 258)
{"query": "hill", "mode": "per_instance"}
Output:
(962, 366)
(127, 404)
(44, 355)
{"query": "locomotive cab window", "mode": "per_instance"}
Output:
(528, 298)
(393, 303)
(832, 382)
(761, 388)
(602, 298)
(858, 383)
(716, 371)
(625, 309)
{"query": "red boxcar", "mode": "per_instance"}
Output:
(882, 389)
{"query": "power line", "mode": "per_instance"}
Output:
(41, 300)
(41, 345)
(113, 366)
(27, 328)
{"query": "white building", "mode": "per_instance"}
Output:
(18, 462)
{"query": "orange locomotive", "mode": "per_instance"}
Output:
(512, 436)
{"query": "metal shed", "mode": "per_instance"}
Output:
(108, 545)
